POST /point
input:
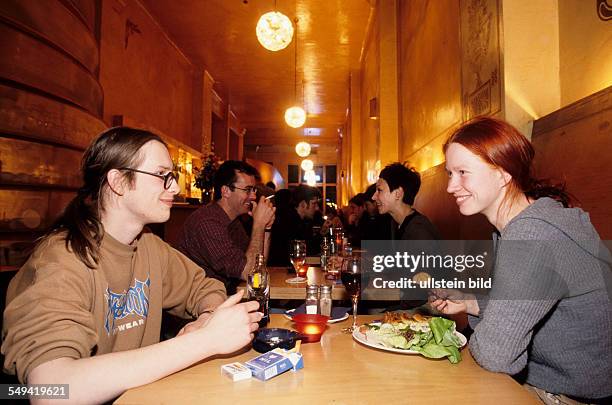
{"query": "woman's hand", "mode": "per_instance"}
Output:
(451, 302)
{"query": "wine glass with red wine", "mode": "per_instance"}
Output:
(351, 278)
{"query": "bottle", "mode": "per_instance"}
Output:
(325, 302)
(325, 253)
(258, 288)
(347, 249)
(312, 299)
(333, 246)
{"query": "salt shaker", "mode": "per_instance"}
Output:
(325, 302)
(312, 299)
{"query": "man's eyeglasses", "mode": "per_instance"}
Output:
(247, 189)
(167, 178)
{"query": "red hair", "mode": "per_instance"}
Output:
(501, 145)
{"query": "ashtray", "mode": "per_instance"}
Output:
(271, 338)
(310, 326)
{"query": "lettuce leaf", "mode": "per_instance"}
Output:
(435, 351)
(439, 327)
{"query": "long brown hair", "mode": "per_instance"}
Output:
(501, 145)
(114, 148)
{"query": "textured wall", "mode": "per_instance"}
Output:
(50, 109)
(430, 80)
(145, 77)
(585, 50)
(531, 73)
(366, 168)
(573, 146)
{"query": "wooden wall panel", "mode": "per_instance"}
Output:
(30, 163)
(35, 64)
(574, 145)
(85, 9)
(57, 25)
(218, 106)
(146, 78)
(31, 210)
(220, 138)
(30, 115)
(441, 209)
(50, 110)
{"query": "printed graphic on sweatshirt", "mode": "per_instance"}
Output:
(135, 301)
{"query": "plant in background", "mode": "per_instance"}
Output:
(204, 176)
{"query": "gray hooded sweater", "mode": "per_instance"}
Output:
(549, 313)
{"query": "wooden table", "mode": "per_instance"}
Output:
(280, 289)
(338, 370)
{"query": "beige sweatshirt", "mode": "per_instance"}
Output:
(57, 307)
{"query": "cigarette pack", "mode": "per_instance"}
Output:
(236, 371)
(274, 362)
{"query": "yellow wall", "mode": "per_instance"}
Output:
(553, 53)
(149, 82)
(585, 50)
(369, 142)
(430, 78)
(531, 61)
(388, 82)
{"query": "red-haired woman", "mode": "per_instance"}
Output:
(548, 316)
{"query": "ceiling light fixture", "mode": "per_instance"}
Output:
(307, 165)
(302, 149)
(295, 116)
(311, 177)
(274, 30)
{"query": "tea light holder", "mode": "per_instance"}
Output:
(310, 326)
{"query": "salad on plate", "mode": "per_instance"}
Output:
(432, 337)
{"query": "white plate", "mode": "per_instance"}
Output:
(288, 313)
(361, 338)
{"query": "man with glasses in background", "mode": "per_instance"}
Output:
(214, 237)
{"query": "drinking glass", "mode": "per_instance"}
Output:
(351, 278)
(297, 254)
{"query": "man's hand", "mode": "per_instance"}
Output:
(195, 325)
(232, 324)
(263, 213)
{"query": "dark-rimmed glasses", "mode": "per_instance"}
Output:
(167, 178)
(247, 189)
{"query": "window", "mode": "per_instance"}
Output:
(325, 177)
(330, 174)
(293, 173)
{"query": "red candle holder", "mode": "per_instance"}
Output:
(310, 326)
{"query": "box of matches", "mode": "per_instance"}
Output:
(236, 371)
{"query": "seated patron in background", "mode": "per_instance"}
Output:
(548, 317)
(85, 309)
(396, 189)
(373, 224)
(295, 223)
(354, 226)
(214, 237)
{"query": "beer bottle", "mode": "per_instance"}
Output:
(258, 288)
